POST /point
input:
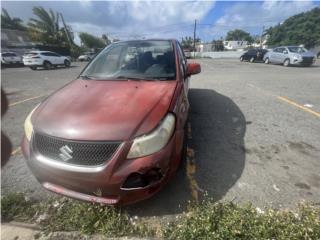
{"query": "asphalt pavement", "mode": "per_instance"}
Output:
(254, 135)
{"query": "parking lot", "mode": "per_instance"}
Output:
(254, 131)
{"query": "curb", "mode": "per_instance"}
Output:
(26, 231)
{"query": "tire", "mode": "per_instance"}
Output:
(252, 59)
(286, 62)
(241, 59)
(66, 63)
(33, 68)
(267, 61)
(47, 65)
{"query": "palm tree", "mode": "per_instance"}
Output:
(45, 28)
(11, 23)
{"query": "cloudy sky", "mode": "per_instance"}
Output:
(168, 19)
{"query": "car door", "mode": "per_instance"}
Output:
(280, 55)
(273, 55)
(58, 58)
(283, 54)
(52, 57)
(251, 53)
(47, 56)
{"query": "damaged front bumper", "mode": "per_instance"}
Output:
(119, 181)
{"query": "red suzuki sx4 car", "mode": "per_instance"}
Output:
(115, 134)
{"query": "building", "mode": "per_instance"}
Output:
(235, 45)
(15, 41)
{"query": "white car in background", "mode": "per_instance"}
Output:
(46, 59)
(10, 58)
(86, 57)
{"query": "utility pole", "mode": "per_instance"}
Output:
(66, 30)
(194, 37)
(261, 36)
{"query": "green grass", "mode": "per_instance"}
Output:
(71, 215)
(208, 220)
(229, 221)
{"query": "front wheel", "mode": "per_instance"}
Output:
(241, 59)
(286, 62)
(267, 61)
(66, 63)
(252, 59)
(47, 65)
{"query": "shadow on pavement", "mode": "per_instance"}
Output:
(218, 129)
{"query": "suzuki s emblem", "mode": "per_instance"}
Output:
(65, 153)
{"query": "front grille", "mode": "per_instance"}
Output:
(307, 59)
(74, 152)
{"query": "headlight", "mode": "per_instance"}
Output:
(154, 141)
(28, 128)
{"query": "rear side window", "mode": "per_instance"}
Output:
(31, 54)
(9, 55)
(48, 54)
(251, 51)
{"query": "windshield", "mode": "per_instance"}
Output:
(297, 49)
(143, 60)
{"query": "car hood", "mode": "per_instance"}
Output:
(104, 110)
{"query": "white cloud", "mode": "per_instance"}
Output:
(252, 16)
(148, 19)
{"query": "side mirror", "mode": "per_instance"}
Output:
(285, 52)
(193, 68)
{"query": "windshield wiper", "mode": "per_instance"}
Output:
(133, 78)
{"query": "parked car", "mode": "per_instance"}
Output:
(116, 134)
(290, 55)
(86, 57)
(46, 59)
(253, 55)
(10, 58)
(318, 55)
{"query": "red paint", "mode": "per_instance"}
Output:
(112, 110)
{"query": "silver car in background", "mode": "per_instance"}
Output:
(290, 55)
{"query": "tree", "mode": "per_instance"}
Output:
(187, 42)
(45, 28)
(91, 41)
(239, 35)
(11, 23)
(303, 28)
(217, 45)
